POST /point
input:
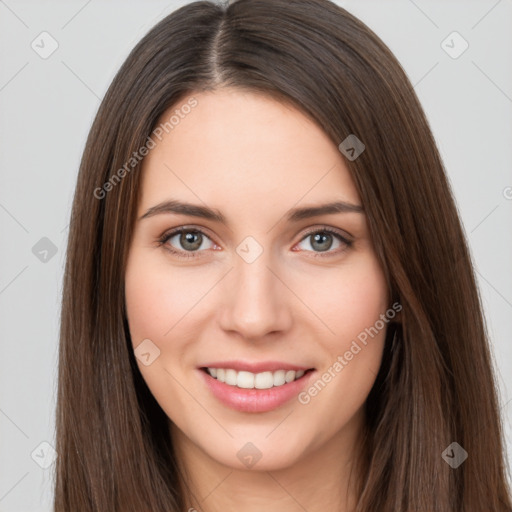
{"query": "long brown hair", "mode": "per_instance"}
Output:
(436, 383)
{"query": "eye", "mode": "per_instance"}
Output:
(323, 240)
(183, 240)
(186, 242)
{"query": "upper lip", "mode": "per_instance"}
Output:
(255, 367)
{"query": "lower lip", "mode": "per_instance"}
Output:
(255, 400)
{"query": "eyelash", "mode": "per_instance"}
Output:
(192, 254)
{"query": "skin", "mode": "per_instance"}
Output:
(253, 159)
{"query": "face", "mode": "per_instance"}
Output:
(277, 298)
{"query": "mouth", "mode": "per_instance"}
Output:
(250, 380)
(246, 391)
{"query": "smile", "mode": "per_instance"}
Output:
(252, 392)
(249, 380)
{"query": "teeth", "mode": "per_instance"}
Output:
(230, 377)
(248, 380)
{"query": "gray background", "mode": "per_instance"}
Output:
(47, 106)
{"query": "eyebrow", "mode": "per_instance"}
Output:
(294, 215)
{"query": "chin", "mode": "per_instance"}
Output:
(256, 453)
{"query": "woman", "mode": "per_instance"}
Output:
(269, 300)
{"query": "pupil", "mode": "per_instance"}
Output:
(322, 238)
(187, 240)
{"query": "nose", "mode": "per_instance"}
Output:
(255, 302)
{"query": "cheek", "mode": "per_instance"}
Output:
(351, 305)
(147, 304)
(160, 306)
(346, 300)
(158, 297)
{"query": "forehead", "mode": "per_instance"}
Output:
(244, 150)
